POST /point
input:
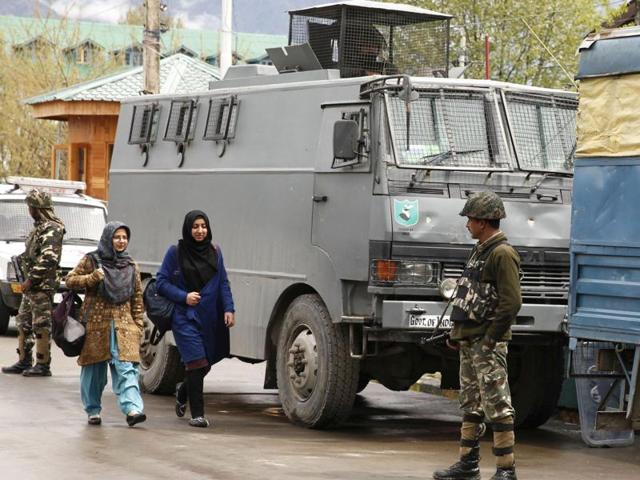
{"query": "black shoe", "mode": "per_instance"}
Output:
(135, 417)
(17, 368)
(200, 422)
(181, 407)
(508, 473)
(38, 370)
(467, 468)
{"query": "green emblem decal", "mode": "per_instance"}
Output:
(406, 212)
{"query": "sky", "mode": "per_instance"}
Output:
(114, 10)
(264, 16)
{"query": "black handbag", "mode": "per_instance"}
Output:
(67, 331)
(159, 310)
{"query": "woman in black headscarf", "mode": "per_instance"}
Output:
(113, 311)
(193, 276)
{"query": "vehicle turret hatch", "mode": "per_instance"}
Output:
(366, 38)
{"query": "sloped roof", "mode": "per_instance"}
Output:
(179, 73)
(113, 36)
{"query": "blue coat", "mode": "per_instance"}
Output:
(199, 330)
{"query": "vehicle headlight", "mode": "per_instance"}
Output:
(404, 272)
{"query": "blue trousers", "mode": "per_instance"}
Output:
(124, 381)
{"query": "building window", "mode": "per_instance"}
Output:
(133, 56)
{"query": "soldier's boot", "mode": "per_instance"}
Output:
(43, 356)
(25, 358)
(468, 466)
(503, 443)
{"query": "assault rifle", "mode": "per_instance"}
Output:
(17, 266)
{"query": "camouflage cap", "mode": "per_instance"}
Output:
(484, 205)
(39, 199)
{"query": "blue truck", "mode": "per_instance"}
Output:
(604, 303)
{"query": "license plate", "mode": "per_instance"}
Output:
(428, 321)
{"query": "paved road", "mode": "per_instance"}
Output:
(44, 435)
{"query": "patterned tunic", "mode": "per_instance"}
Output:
(129, 325)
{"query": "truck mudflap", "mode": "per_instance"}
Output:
(412, 315)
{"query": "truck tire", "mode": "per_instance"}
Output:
(317, 378)
(535, 378)
(5, 316)
(160, 365)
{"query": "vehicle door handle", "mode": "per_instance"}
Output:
(320, 198)
(547, 198)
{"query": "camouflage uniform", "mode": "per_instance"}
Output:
(486, 303)
(39, 265)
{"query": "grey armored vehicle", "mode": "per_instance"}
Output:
(334, 184)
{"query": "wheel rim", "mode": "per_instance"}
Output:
(302, 363)
(147, 351)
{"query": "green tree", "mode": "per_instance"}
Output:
(513, 25)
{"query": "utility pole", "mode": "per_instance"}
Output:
(225, 36)
(151, 47)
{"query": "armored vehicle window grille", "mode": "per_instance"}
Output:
(374, 42)
(144, 124)
(182, 121)
(543, 128)
(221, 119)
(540, 283)
(449, 129)
(83, 224)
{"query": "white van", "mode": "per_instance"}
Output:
(84, 218)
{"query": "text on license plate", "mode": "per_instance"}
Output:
(428, 321)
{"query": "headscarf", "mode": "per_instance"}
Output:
(119, 268)
(198, 260)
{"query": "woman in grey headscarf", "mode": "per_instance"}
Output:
(113, 310)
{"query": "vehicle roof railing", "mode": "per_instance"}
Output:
(52, 186)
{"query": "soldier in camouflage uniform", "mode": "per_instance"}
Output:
(485, 306)
(39, 265)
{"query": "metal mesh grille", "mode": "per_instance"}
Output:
(547, 282)
(543, 130)
(373, 42)
(221, 119)
(144, 124)
(449, 129)
(596, 359)
(181, 123)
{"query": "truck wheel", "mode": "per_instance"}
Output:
(5, 315)
(535, 379)
(160, 365)
(317, 378)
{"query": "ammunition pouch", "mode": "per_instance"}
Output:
(475, 300)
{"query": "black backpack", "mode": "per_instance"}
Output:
(159, 310)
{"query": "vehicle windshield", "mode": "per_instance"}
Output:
(455, 129)
(83, 224)
(543, 128)
(462, 130)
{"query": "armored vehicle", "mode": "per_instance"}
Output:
(84, 218)
(335, 199)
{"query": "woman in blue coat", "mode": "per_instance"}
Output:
(193, 276)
